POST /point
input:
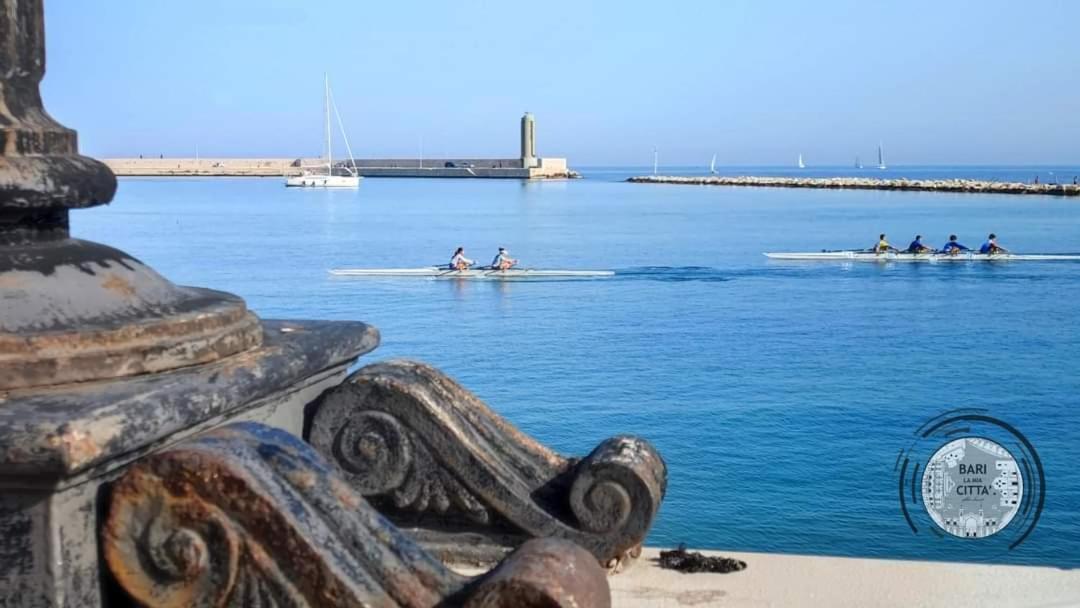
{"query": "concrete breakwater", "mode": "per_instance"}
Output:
(859, 183)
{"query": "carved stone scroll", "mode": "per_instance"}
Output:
(439, 462)
(248, 515)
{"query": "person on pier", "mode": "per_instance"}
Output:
(953, 247)
(917, 246)
(883, 245)
(991, 246)
(502, 260)
(459, 261)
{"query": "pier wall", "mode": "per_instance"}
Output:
(239, 167)
(445, 172)
(434, 163)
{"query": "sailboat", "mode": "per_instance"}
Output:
(712, 165)
(880, 157)
(802, 165)
(858, 163)
(322, 175)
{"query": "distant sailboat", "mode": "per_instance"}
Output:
(802, 165)
(655, 161)
(880, 156)
(858, 163)
(315, 177)
(712, 165)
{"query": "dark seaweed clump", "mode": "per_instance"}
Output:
(684, 561)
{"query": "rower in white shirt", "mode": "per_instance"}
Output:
(502, 260)
(459, 261)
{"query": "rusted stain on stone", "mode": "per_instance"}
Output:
(543, 572)
(12, 282)
(250, 516)
(117, 284)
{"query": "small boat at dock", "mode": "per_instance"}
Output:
(892, 256)
(441, 272)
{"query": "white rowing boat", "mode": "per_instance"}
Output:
(473, 273)
(868, 256)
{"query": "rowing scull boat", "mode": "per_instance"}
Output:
(473, 273)
(868, 256)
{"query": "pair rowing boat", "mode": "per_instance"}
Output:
(892, 256)
(437, 272)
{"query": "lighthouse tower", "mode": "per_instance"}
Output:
(528, 141)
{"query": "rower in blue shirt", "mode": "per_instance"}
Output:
(953, 247)
(991, 246)
(917, 246)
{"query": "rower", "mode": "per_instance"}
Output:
(502, 260)
(953, 247)
(459, 261)
(917, 246)
(991, 246)
(883, 245)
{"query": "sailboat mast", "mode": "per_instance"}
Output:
(329, 148)
(655, 161)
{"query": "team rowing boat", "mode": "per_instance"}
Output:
(869, 256)
(473, 273)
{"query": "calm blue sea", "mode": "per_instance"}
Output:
(779, 394)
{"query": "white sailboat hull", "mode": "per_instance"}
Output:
(863, 256)
(323, 181)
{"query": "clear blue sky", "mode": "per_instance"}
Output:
(969, 82)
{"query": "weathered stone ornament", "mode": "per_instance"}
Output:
(251, 516)
(442, 464)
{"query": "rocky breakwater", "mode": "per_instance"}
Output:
(859, 183)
